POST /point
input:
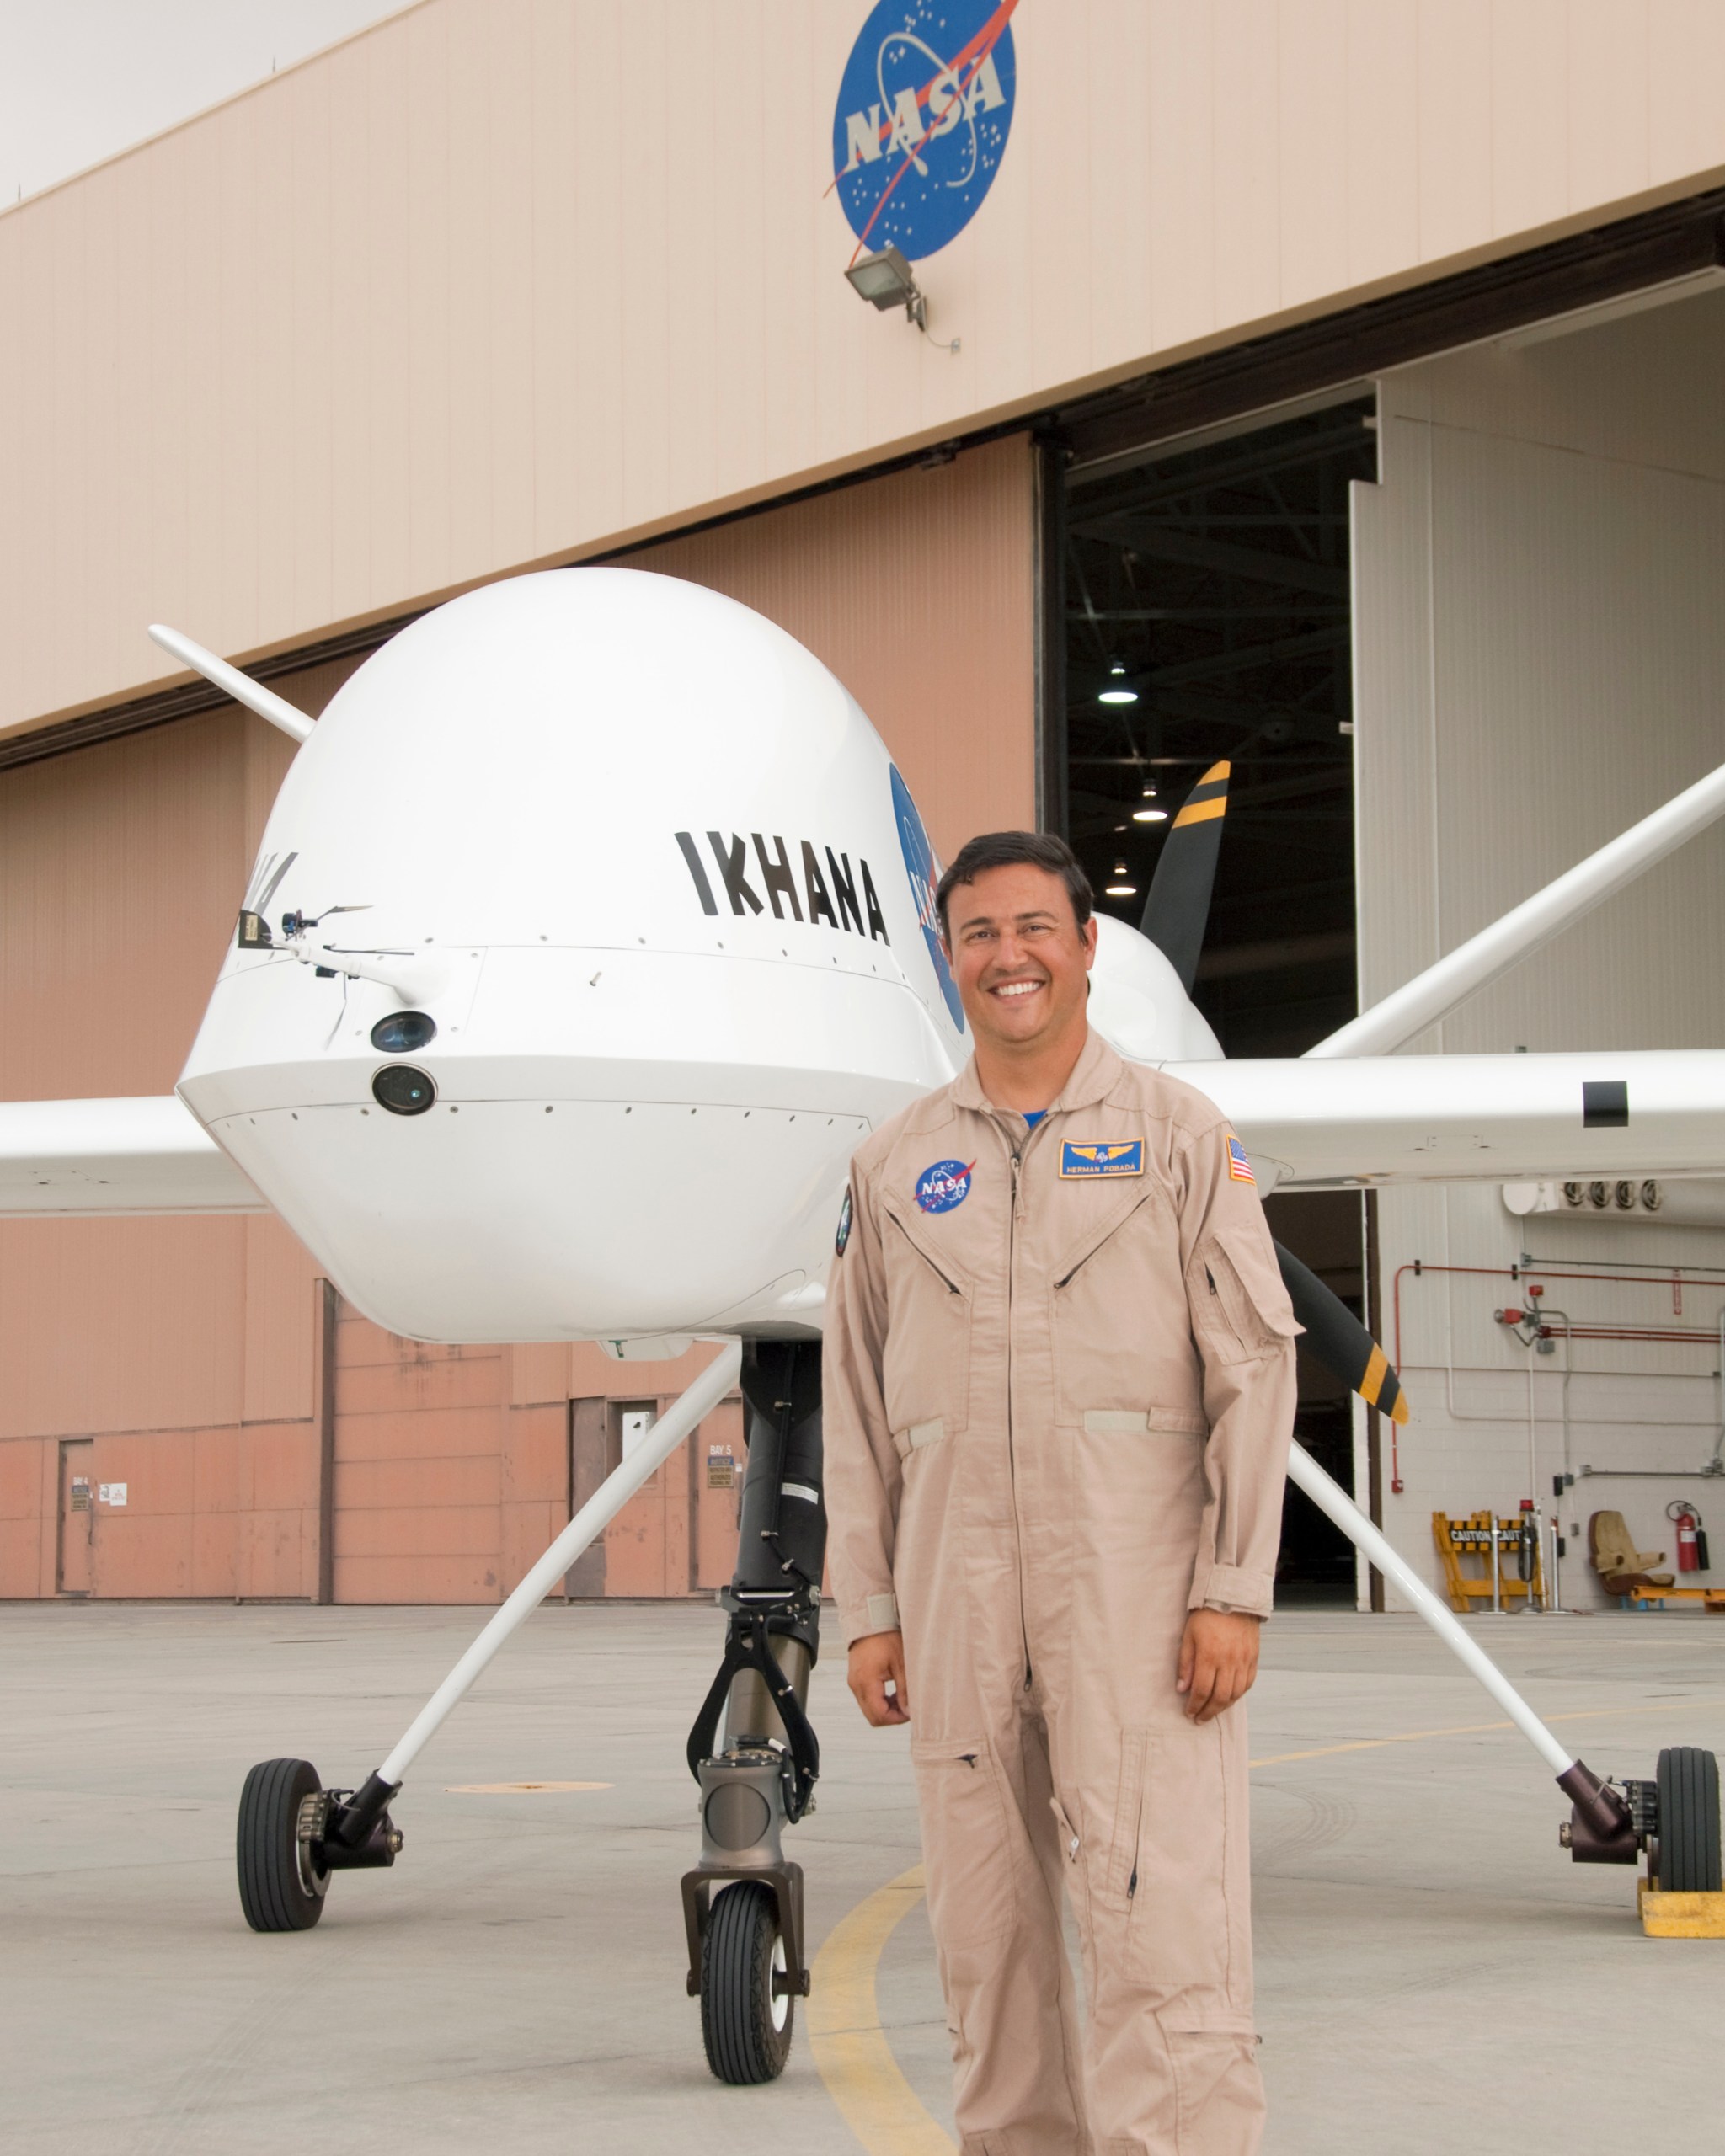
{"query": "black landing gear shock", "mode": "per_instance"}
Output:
(293, 1833)
(743, 1903)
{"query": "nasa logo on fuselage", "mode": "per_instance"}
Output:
(843, 898)
(923, 869)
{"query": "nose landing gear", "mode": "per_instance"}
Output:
(748, 1999)
(743, 1903)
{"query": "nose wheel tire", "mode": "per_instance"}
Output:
(746, 2016)
(1689, 1821)
(280, 1888)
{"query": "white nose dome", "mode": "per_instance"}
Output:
(1138, 1005)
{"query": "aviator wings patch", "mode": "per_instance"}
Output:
(1123, 1158)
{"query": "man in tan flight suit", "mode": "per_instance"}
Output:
(1058, 1390)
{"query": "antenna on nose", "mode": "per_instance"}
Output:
(240, 686)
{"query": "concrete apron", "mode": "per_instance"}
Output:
(518, 1977)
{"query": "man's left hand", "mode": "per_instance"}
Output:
(1218, 1661)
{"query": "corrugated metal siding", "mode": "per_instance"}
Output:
(1541, 643)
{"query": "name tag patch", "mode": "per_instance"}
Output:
(1079, 1161)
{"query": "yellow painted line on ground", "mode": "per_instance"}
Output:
(851, 2051)
(1477, 1729)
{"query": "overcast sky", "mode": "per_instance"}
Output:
(81, 79)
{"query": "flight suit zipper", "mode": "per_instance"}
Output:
(1011, 1441)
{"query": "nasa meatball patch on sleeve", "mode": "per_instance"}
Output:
(843, 1236)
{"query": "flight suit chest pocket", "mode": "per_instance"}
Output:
(1117, 1312)
(1240, 1308)
(966, 1842)
(926, 1373)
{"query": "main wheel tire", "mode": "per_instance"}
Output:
(1689, 1821)
(278, 1890)
(746, 2022)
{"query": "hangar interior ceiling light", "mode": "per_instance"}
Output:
(887, 279)
(1122, 887)
(1215, 575)
(1118, 690)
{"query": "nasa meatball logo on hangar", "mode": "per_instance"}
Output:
(925, 107)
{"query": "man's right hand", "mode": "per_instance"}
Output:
(876, 1662)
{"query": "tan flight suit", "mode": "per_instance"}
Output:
(1057, 1414)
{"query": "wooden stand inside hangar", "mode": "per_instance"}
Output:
(1473, 1538)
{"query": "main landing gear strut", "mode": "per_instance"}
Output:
(293, 1833)
(1675, 1818)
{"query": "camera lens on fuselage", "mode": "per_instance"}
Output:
(402, 1090)
(403, 1032)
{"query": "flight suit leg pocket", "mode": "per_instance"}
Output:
(967, 1845)
(1173, 1842)
(1129, 1807)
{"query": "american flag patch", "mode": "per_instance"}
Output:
(1239, 1167)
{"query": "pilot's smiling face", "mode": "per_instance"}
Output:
(1021, 961)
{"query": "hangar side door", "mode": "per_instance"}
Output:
(677, 1535)
(77, 1513)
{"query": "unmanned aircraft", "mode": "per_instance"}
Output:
(592, 930)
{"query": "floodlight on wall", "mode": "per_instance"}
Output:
(887, 279)
(1118, 690)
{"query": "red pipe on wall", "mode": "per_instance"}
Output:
(1652, 1335)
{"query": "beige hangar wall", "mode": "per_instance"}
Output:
(1540, 650)
(500, 282)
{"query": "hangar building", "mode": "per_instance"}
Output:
(1337, 381)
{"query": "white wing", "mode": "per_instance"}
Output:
(1475, 964)
(1490, 1119)
(114, 1156)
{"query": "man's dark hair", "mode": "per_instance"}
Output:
(1011, 850)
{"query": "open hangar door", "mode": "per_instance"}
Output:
(1540, 655)
(1207, 617)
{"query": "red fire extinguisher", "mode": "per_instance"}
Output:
(1691, 1542)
